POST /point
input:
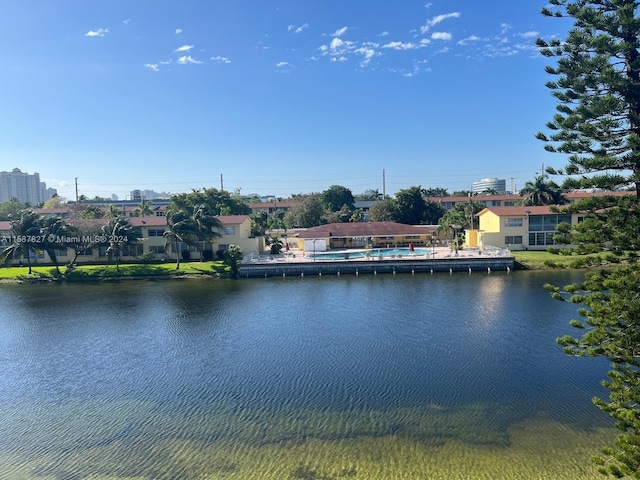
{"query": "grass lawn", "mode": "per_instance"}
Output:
(543, 259)
(97, 272)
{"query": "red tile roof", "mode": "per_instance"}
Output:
(364, 229)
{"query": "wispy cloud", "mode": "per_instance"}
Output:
(152, 66)
(188, 59)
(531, 34)
(441, 36)
(428, 5)
(283, 64)
(127, 21)
(505, 27)
(339, 32)
(436, 20)
(296, 29)
(183, 48)
(470, 38)
(178, 31)
(383, 34)
(100, 32)
(220, 59)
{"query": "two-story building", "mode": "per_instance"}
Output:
(519, 228)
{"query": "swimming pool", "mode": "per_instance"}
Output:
(373, 253)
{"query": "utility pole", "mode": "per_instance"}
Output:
(221, 183)
(76, 189)
(384, 191)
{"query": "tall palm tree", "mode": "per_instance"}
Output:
(542, 192)
(180, 229)
(54, 232)
(206, 224)
(119, 232)
(26, 233)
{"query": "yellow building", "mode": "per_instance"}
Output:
(521, 228)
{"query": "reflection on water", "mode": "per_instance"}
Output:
(325, 378)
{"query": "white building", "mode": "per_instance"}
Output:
(499, 185)
(139, 195)
(24, 187)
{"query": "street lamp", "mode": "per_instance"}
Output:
(314, 250)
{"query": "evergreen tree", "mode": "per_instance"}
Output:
(597, 125)
(597, 85)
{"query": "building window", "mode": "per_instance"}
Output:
(513, 222)
(159, 250)
(156, 232)
(160, 214)
(541, 223)
(228, 231)
(541, 238)
(513, 240)
(508, 203)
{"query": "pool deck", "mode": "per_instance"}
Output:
(443, 259)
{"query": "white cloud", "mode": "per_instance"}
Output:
(428, 5)
(383, 34)
(471, 38)
(152, 66)
(178, 31)
(505, 27)
(127, 21)
(336, 43)
(441, 36)
(283, 64)
(165, 62)
(100, 32)
(221, 59)
(294, 29)
(436, 20)
(183, 48)
(368, 54)
(339, 32)
(530, 34)
(425, 41)
(188, 59)
(401, 45)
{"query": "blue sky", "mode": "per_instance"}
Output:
(278, 97)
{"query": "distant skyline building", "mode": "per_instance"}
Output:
(498, 185)
(138, 195)
(24, 187)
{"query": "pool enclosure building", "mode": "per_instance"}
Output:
(361, 234)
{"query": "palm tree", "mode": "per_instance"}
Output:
(112, 211)
(54, 231)
(206, 225)
(119, 232)
(542, 192)
(180, 229)
(144, 208)
(26, 233)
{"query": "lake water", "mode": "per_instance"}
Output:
(370, 377)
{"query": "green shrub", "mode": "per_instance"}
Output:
(185, 255)
(565, 251)
(147, 257)
(578, 263)
(550, 263)
(553, 251)
(611, 258)
(207, 254)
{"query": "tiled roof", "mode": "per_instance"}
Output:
(232, 219)
(364, 229)
(517, 211)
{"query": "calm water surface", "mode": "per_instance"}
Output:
(370, 377)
